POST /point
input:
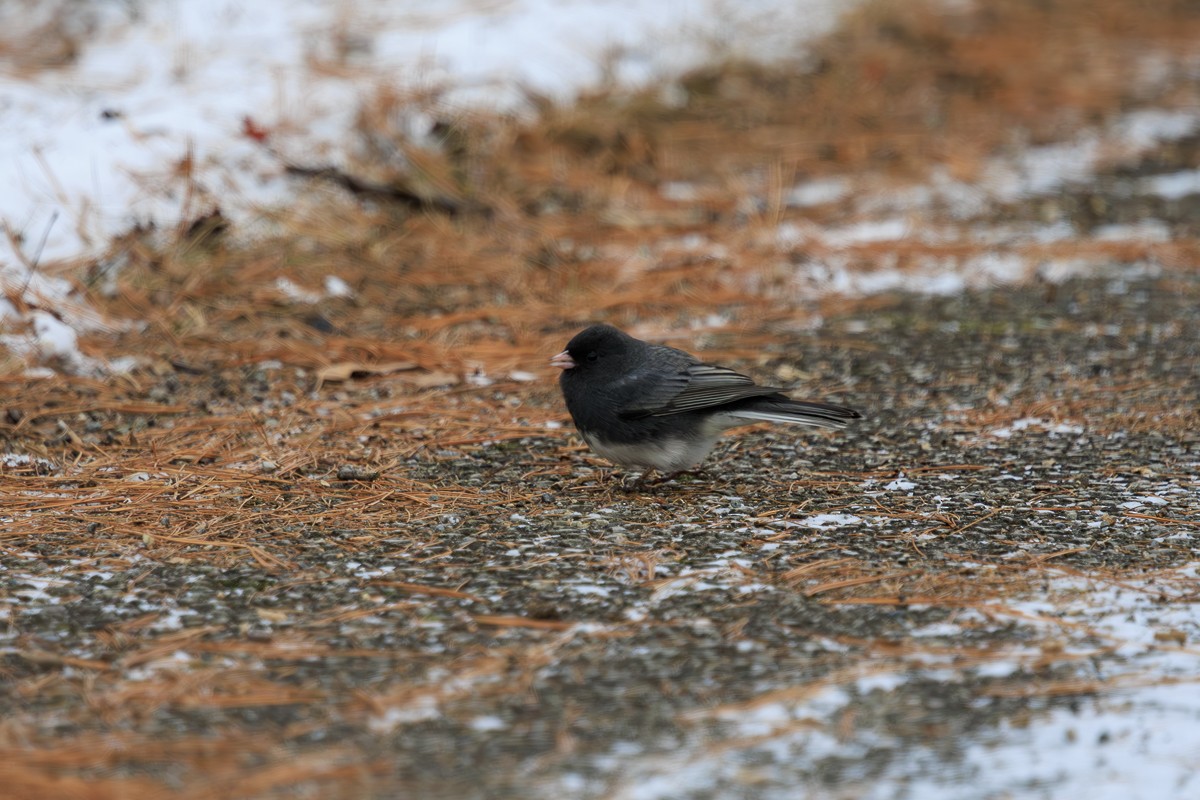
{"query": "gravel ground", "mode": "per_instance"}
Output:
(819, 615)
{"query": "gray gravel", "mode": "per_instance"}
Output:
(671, 618)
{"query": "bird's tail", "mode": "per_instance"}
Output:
(797, 412)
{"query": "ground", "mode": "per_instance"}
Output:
(349, 546)
(496, 618)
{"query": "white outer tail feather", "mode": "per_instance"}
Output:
(791, 419)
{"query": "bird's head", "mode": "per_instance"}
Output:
(594, 349)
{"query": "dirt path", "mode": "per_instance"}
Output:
(844, 615)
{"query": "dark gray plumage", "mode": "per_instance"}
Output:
(647, 406)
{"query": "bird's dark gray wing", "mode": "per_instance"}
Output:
(710, 385)
(691, 387)
(646, 391)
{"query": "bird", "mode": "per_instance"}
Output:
(651, 407)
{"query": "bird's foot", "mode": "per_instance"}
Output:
(696, 472)
(650, 480)
(640, 482)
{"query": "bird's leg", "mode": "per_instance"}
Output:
(638, 483)
(695, 472)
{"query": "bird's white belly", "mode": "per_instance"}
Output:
(664, 455)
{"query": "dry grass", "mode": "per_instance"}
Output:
(562, 219)
(36, 35)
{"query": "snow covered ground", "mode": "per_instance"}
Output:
(1137, 739)
(100, 142)
(161, 117)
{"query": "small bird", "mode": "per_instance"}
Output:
(651, 407)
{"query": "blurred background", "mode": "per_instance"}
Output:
(552, 163)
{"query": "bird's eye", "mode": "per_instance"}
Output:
(592, 356)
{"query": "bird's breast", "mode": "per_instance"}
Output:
(663, 453)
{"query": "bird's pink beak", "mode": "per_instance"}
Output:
(563, 360)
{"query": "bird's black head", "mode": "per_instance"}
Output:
(595, 350)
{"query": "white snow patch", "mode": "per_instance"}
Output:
(588, 589)
(1056, 428)
(487, 722)
(1146, 230)
(336, 287)
(817, 192)
(821, 521)
(294, 292)
(867, 232)
(1174, 185)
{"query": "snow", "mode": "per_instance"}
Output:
(1051, 427)
(1137, 739)
(1039, 171)
(296, 293)
(172, 109)
(100, 142)
(885, 213)
(817, 192)
(1174, 185)
(336, 287)
(488, 722)
(901, 484)
(822, 521)
(880, 230)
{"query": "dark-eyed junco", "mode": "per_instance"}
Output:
(651, 407)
